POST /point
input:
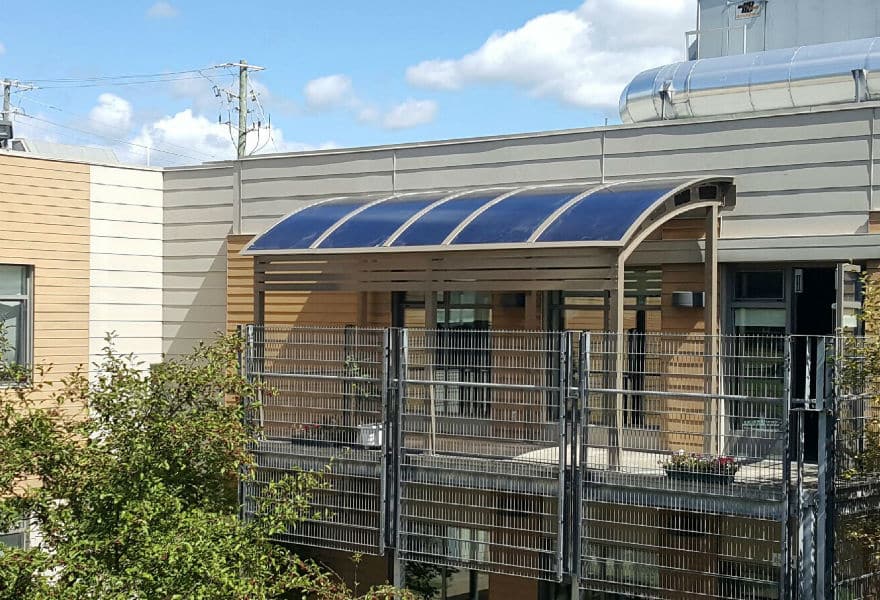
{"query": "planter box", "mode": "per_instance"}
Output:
(696, 476)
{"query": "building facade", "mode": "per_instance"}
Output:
(788, 253)
(556, 498)
(80, 257)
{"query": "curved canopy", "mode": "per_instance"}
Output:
(570, 214)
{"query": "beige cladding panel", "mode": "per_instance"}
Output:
(46, 225)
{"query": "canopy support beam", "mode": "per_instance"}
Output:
(713, 428)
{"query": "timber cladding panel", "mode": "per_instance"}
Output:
(45, 207)
(286, 308)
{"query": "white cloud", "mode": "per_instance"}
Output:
(411, 113)
(332, 91)
(2, 48)
(582, 57)
(369, 114)
(111, 115)
(162, 10)
(185, 133)
(337, 92)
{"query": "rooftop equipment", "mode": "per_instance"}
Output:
(840, 72)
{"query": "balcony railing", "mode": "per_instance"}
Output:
(558, 455)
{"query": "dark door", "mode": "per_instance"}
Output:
(813, 317)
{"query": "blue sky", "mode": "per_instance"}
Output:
(338, 73)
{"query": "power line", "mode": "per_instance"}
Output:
(129, 76)
(107, 137)
(82, 117)
(114, 83)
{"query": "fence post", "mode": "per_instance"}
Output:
(386, 442)
(825, 405)
(566, 444)
(580, 427)
(400, 374)
(785, 560)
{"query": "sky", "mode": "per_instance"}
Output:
(337, 73)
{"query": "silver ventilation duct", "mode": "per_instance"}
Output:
(790, 78)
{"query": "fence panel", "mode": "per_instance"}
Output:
(483, 425)
(323, 410)
(683, 457)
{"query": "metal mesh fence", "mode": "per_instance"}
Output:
(481, 466)
(683, 459)
(648, 465)
(323, 410)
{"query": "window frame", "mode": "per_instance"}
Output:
(20, 532)
(26, 350)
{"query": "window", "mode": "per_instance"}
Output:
(619, 564)
(15, 291)
(463, 353)
(467, 545)
(17, 538)
(760, 285)
(756, 365)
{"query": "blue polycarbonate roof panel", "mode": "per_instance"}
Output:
(373, 226)
(434, 226)
(605, 215)
(300, 230)
(566, 213)
(516, 218)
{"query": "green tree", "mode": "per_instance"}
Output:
(858, 435)
(131, 481)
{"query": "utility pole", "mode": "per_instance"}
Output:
(242, 107)
(242, 97)
(6, 114)
(7, 100)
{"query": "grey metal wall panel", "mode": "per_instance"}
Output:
(805, 202)
(200, 214)
(214, 281)
(786, 24)
(797, 175)
(193, 247)
(757, 156)
(217, 230)
(321, 165)
(825, 154)
(208, 177)
(550, 147)
(197, 218)
(195, 197)
(295, 185)
(501, 174)
(278, 206)
(786, 249)
(722, 133)
(795, 225)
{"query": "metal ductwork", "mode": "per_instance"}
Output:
(789, 78)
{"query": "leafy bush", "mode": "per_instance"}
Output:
(130, 478)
